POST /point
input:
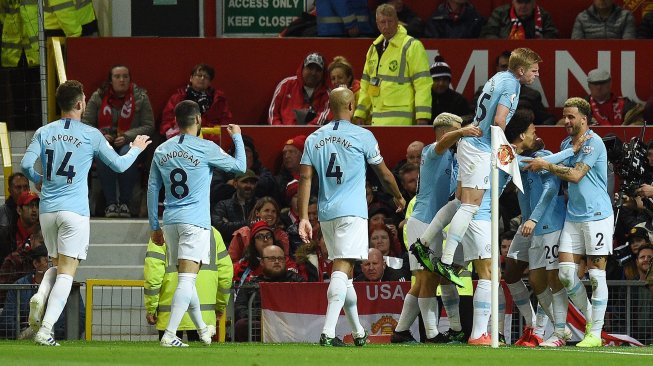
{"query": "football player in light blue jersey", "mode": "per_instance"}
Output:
(337, 152)
(66, 149)
(495, 106)
(183, 166)
(434, 189)
(588, 227)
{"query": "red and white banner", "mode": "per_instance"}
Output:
(294, 312)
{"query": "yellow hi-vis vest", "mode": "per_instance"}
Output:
(213, 283)
(20, 27)
(68, 15)
(403, 93)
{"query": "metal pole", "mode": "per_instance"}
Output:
(42, 67)
(18, 293)
(201, 19)
(495, 253)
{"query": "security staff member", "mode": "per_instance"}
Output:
(213, 285)
(396, 83)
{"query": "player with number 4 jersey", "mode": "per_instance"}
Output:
(337, 153)
(66, 148)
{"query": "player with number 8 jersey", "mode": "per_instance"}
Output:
(183, 166)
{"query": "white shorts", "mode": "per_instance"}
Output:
(477, 242)
(346, 237)
(414, 229)
(551, 247)
(473, 166)
(186, 241)
(519, 246)
(65, 232)
(588, 238)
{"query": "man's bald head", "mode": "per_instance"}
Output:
(414, 152)
(341, 102)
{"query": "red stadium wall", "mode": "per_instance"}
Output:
(394, 140)
(248, 69)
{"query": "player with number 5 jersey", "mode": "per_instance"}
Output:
(66, 148)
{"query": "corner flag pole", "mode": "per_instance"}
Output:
(495, 251)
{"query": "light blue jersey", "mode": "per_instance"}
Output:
(434, 185)
(66, 148)
(338, 152)
(184, 166)
(589, 199)
(503, 88)
(483, 213)
(547, 201)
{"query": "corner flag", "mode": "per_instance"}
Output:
(505, 156)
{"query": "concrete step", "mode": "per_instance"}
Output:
(117, 249)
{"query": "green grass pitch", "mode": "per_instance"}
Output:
(257, 354)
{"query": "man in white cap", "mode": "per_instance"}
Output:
(609, 109)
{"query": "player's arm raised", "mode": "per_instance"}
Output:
(389, 184)
(451, 137)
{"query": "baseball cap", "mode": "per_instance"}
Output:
(260, 226)
(249, 174)
(297, 141)
(598, 76)
(314, 58)
(638, 232)
(26, 198)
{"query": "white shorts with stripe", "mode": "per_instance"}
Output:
(65, 232)
(186, 241)
(473, 166)
(550, 243)
(524, 249)
(588, 238)
(346, 237)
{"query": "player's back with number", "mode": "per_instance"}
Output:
(66, 148)
(338, 153)
(184, 166)
(503, 88)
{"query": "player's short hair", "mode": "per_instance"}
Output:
(447, 120)
(519, 123)
(203, 67)
(68, 94)
(523, 57)
(185, 112)
(407, 168)
(582, 105)
(14, 176)
(387, 10)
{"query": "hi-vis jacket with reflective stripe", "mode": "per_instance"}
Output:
(405, 82)
(20, 27)
(213, 283)
(68, 15)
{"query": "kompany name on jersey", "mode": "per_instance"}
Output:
(333, 140)
(63, 138)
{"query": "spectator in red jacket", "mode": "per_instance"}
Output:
(213, 104)
(301, 99)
